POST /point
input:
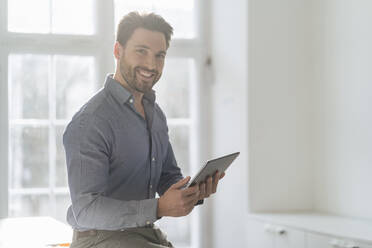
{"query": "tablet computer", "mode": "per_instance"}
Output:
(209, 169)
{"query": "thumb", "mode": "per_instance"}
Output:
(181, 183)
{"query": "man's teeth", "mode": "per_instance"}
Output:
(146, 74)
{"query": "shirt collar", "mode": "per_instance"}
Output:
(122, 94)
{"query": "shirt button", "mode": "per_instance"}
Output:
(147, 222)
(131, 100)
(153, 159)
(150, 186)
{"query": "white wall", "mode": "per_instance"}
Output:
(261, 108)
(229, 119)
(279, 107)
(343, 84)
(293, 93)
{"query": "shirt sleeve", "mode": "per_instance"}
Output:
(171, 173)
(87, 141)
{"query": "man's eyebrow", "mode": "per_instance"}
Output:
(146, 47)
(142, 46)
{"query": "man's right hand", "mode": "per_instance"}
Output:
(178, 201)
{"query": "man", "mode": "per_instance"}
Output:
(118, 152)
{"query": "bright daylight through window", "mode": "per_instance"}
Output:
(48, 83)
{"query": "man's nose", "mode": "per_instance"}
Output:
(150, 62)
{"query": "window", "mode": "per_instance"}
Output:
(51, 16)
(45, 91)
(49, 66)
(174, 99)
(181, 14)
(54, 54)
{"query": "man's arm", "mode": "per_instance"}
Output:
(177, 200)
(88, 148)
(170, 173)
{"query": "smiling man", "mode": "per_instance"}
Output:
(118, 151)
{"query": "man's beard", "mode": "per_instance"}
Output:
(129, 75)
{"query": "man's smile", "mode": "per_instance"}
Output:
(145, 73)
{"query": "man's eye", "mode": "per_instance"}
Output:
(161, 56)
(141, 51)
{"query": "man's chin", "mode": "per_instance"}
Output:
(146, 87)
(143, 90)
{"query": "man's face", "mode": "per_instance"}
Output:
(142, 61)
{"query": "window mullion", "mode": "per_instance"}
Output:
(200, 105)
(4, 130)
(105, 31)
(179, 121)
(29, 122)
(4, 123)
(50, 16)
(3, 17)
(38, 191)
(52, 132)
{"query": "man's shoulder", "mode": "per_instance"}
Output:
(97, 107)
(100, 105)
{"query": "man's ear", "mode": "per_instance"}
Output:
(118, 50)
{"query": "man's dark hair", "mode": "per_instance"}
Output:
(150, 21)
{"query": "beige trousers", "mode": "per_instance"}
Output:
(141, 237)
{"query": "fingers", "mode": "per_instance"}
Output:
(191, 200)
(216, 178)
(202, 191)
(181, 183)
(222, 175)
(191, 190)
(191, 194)
(208, 187)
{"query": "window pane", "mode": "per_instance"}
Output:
(172, 90)
(29, 205)
(29, 157)
(179, 138)
(75, 83)
(61, 170)
(28, 16)
(180, 14)
(178, 229)
(63, 202)
(28, 83)
(73, 17)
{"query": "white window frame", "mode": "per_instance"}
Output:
(3, 113)
(46, 44)
(100, 46)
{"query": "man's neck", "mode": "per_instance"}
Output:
(136, 94)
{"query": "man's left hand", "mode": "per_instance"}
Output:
(209, 187)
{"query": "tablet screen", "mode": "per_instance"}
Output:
(209, 169)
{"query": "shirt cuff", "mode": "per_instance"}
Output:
(148, 211)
